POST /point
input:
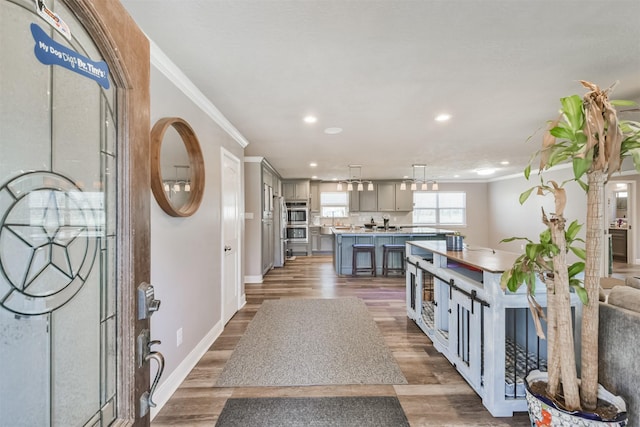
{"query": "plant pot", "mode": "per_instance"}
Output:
(542, 412)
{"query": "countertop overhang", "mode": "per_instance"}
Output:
(485, 259)
(398, 231)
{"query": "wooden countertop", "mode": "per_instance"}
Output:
(486, 259)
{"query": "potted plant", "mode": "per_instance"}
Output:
(588, 134)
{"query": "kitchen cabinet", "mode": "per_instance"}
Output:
(404, 199)
(320, 242)
(261, 184)
(386, 196)
(267, 245)
(315, 196)
(326, 242)
(314, 233)
(297, 189)
(354, 201)
(368, 200)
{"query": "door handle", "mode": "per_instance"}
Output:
(227, 248)
(159, 358)
(145, 355)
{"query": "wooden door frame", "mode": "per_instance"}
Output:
(126, 50)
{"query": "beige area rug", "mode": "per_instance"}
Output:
(299, 342)
(610, 282)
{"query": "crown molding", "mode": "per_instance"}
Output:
(162, 62)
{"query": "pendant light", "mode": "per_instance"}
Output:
(424, 183)
(355, 177)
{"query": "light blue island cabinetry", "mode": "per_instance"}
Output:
(346, 238)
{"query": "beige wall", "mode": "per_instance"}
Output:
(186, 252)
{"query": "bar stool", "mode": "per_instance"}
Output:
(363, 248)
(388, 249)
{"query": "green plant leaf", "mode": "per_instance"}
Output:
(581, 138)
(532, 250)
(575, 268)
(562, 132)
(524, 196)
(572, 109)
(545, 236)
(581, 166)
(511, 239)
(579, 252)
(584, 185)
(527, 171)
(622, 103)
(532, 287)
(572, 230)
(582, 293)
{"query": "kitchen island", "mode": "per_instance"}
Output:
(345, 237)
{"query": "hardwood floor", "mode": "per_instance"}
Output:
(622, 270)
(435, 396)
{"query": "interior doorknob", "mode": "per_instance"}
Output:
(227, 248)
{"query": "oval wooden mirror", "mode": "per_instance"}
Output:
(177, 167)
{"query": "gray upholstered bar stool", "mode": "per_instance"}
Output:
(387, 250)
(359, 248)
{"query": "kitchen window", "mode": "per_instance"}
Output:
(334, 204)
(440, 207)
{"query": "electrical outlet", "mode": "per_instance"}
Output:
(522, 246)
(179, 337)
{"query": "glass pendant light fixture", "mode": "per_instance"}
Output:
(355, 177)
(424, 183)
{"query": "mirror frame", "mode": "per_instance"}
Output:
(196, 162)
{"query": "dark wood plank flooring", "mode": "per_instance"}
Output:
(435, 396)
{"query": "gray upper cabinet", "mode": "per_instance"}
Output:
(363, 201)
(386, 197)
(368, 200)
(392, 199)
(354, 201)
(315, 197)
(404, 199)
(297, 189)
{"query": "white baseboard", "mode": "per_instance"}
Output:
(166, 389)
(252, 279)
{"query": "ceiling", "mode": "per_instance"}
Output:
(383, 70)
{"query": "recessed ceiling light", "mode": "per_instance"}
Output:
(456, 176)
(504, 162)
(443, 117)
(332, 131)
(314, 177)
(485, 171)
(313, 164)
(310, 119)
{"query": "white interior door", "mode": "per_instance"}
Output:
(231, 208)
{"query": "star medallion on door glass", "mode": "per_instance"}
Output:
(47, 241)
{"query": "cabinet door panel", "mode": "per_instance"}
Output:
(386, 197)
(404, 199)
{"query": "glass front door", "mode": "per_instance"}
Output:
(58, 222)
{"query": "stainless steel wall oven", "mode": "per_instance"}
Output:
(297, 213)
(297, 233)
